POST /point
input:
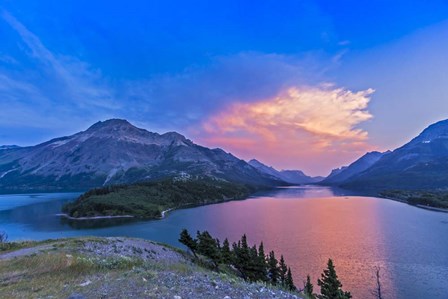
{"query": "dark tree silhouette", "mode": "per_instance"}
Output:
(282, 270)
(188, 241)
(330, 286)
(308, 287)
(209, 247)
(289, 282)
(226, 254)
(273, 271)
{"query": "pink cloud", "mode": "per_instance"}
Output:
(310, 128)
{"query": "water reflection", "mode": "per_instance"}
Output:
(307, 224)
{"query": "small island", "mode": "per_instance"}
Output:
(151, 200)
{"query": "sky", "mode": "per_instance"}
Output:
(308, 85)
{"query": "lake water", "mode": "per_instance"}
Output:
(307, 224)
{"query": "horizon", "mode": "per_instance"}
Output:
(310, 86)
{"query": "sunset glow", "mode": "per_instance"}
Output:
(300, 124)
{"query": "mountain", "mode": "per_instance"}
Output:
(420, 164)
(289, 176)
(115, 152)
(7, 147)
(335, 172)
(344, 173)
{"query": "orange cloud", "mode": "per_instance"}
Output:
(311, 128)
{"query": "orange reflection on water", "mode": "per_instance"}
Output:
(318, 227)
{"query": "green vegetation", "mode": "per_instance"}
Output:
(308, 287)
(149, 199)
(436, 199)
(126, 267)
(116, 268)
(252, 264)
(330, 286)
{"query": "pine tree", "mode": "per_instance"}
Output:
(308, 287)
(188, 241)
(262, 265)
(289, 282)
(273, 271)
(283, 270)
(330, 286)
(226, 254)
(252, 264)
(242, 257)
(208, 247)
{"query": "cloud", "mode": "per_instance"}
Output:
(188, 97)
(251, 103)
(299, 124)
(44, 89)
(76, 81)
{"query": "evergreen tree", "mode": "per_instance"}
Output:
(252, 265)
(273, 271)
(262, 265)
(289, 282)
(330, 286)
(208, 247)
(226, 254)
(308, 287)
(282, 270)
(242, 257)
(188, 241)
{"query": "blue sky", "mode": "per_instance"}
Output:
(332, 79)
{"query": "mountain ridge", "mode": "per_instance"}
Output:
(289, 176)
(115, 152)
(420, 164)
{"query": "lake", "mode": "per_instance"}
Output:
(306, 224)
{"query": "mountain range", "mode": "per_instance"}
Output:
(421, 164)
(289, 176)
(342, 174)
(116, 152)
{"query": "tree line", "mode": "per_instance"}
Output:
(254, 265)
(251, 262)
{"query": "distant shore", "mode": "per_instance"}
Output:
(429, 208)
(94, 217)
(432, 208)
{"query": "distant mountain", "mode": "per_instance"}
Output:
(113, 152)
(289, 176)
(343, 174)
(7, 147)
(335, 172)
(420, 164)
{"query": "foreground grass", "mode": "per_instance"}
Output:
(116, 268)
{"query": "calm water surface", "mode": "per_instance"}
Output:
(307, 224)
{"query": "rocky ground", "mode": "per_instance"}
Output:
(116, 268)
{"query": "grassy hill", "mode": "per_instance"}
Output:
(116, 268)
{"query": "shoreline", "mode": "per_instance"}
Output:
(163, 213)
(429, 208)
(94, 217)
(443, 210)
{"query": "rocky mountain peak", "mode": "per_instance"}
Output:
(111, 124)
(434, 131)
